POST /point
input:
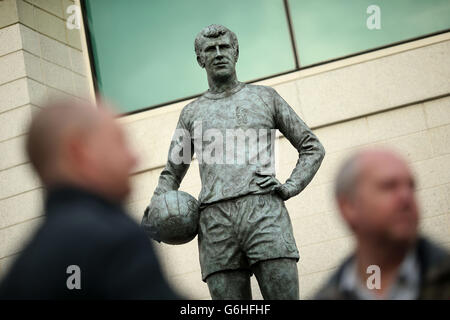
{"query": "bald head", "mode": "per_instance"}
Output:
(78, 143)
(355, 166)
(375, 191)
(53, 127)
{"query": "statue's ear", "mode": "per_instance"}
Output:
(200, 61)
(236, 55)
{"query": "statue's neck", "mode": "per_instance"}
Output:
(219, 85)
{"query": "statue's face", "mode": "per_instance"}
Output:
(218, 56)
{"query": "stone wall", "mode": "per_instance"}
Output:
(397, 97)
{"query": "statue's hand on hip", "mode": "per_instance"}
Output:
(270, 182)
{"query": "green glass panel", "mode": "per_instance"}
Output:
(328, 29)
(144, 50)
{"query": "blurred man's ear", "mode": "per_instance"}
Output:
(80, 154)
(75, 152)
(348, 212)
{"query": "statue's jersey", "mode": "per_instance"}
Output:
(233, 136)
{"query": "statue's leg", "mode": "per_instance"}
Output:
(277, 278)
(224, 266)
(270, 247)
(230, 285)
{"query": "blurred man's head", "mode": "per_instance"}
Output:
(375, 194)
(76, 143)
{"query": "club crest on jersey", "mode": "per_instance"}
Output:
(241, 115)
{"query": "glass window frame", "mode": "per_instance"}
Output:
(298, 66)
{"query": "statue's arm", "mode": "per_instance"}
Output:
(311, 152)
(181, 151)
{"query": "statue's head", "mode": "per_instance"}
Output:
(217, 50)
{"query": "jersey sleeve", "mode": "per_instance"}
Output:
(180, 155)
(311, 152)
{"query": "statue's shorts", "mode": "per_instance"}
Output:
(237, 233)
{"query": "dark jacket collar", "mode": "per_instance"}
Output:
(430, 256)
(64, 193)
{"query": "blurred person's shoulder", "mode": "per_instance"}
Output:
(434, 262)
(430, 253)
(95, 217)
(435, 269)
(83, 221)
(330, 289)
(79, 230)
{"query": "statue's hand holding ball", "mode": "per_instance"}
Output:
(172, 217)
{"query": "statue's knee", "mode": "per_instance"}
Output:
(275, 266)
(229, 285)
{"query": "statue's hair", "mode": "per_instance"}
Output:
(214, 31)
